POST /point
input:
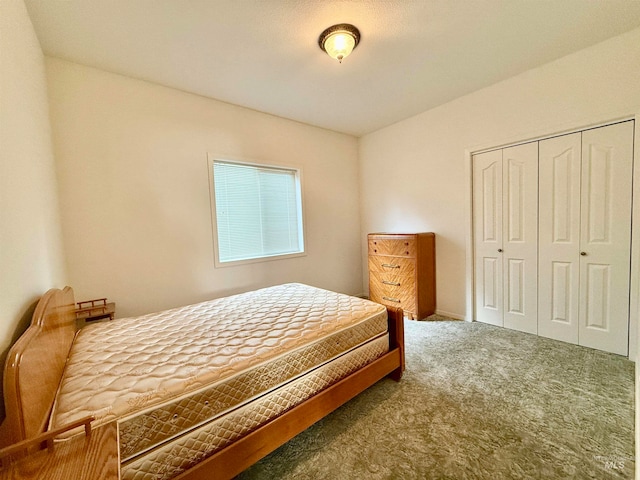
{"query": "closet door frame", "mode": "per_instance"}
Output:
(469, 152)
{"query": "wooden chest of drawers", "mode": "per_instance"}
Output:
(402, 272)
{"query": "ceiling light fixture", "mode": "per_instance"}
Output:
(339, 40)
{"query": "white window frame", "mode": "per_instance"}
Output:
(298, 173)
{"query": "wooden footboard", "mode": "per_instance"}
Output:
(36, 362)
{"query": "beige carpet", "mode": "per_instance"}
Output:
(476, 402)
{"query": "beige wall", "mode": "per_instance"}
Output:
(31, 256)
(132, 168)
(413, 173)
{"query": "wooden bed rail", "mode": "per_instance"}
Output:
(233, 459)
(39, 441)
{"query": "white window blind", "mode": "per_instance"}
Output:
(258, 211)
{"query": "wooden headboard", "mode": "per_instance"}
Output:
(35, 364)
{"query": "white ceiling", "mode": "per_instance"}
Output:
(263, 54)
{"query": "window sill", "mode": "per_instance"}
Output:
(247, 261)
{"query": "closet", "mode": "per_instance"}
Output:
(552, 236)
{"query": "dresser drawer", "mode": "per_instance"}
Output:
(398, 246)
(392, 265)
(387, 295)
(392, 285)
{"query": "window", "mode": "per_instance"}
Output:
(257, 211)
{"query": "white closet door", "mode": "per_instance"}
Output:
(607, 170)
(520, 237)
(487, 220)
(559, 237)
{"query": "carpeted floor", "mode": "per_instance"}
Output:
(476, 402)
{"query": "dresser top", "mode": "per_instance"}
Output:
(386, 234)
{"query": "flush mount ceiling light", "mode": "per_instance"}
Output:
(339, 40)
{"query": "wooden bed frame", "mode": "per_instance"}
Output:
(35, 364)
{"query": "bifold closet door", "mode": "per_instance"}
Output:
(487, 225)
(520, 237)
(505, 231)
(585, 237)
(605, 239)
(559, 237)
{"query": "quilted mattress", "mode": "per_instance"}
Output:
(179, 374)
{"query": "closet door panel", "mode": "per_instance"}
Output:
(562, 276)
(487, 220)
(520, 236)
(607, 170)
(559, 237)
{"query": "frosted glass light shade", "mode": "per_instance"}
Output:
(339, 45)
(339, 40)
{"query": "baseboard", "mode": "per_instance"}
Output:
(455, 316)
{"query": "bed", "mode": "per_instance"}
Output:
(212, 387)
